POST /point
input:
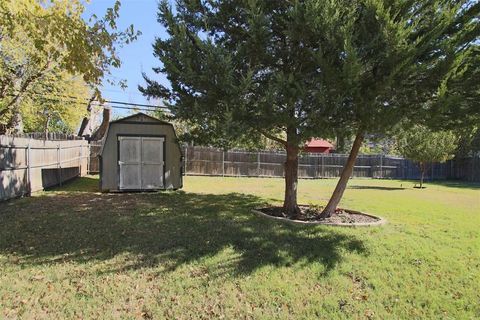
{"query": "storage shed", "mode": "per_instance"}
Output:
(140, 152)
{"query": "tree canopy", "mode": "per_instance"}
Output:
(46, 40)
(407, 60)
(315, 68)
(424, 146)
(54, 104)
(239, 70)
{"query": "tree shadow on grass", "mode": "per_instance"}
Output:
(376, 188)
(166, 229)
(455, 184)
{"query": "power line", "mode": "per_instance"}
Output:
(77, 100)
(135, 104)
(136, 93)
(126, 106)
(131, 108)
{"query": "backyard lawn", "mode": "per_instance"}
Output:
(200, 253)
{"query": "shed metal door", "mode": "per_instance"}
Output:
(141, 163)
(152, 163)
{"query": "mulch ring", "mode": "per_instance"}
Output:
(311, 215)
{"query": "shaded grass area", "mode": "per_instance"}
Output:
(200, 253)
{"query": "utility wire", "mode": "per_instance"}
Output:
(125, 105)
(78, 100)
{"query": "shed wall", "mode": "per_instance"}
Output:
(317, 149)
(109, 171)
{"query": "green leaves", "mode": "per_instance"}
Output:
(424, 146)
(47, 41)
(313, 68)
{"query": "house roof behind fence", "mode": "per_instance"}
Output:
(318, 143)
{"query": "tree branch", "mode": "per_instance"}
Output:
(273, 137)
(24, 87)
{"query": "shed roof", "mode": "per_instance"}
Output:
(318, 143)
(138, 117)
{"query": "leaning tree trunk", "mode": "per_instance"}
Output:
(342, 182)
(340, 147)
(290, 205)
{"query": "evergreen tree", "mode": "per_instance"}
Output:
(317, 68)
(242, 69)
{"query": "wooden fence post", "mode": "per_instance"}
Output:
(59, 164)
(323, 166)
(381, 166)
(258, 163)
(89, 157)
(223, 163)
(29, 171)
(451, 170)
(80, 159)
(432, 171)
(186, 159)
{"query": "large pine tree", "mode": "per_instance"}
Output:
(241, 68)
(298, 69)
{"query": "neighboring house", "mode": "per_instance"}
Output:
(318, 146)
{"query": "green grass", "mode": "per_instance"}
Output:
(201, 253)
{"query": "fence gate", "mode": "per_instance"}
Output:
(141, 161)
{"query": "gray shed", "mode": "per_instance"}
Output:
(140, 152)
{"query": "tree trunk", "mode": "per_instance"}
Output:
(290, 205)
(15, 124)
(45, 129)
(342, 182)
(340, 147)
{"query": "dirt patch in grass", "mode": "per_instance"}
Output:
(311, 214)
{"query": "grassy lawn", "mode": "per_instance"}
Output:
(200, 253)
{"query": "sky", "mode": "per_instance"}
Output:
(136, 57)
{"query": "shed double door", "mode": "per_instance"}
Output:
(141, 163)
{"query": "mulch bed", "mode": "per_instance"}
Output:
(312, 214)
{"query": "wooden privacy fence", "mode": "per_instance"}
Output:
(236, 163)
(210, 161)
(29, 165)
(94, 161)
(467, 169)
